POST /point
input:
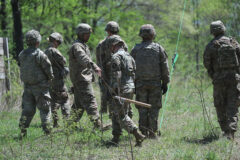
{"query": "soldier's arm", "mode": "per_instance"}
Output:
(164, 66)
(207, 61)
(116, 71)
(59, 58)
(237, 46)
(45, 64)
(98, 55)
(133, 53)
(83, 59)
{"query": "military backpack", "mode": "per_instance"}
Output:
(227, 56)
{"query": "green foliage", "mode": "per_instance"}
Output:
(186, 133)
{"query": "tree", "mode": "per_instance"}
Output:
(3, 15)
(17, 33)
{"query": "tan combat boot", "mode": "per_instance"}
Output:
(139, 138)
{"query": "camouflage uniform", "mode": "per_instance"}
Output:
(103, 57)
(224, 73)
(58, 90)
(36, 72)
(81, 73)
(152, 77)
(122, 81)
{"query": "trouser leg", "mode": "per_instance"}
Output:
(65, 108)
(155, 99)
(44, 105)
(116, 128)
(143, 120)
(89, 102)
(76, 112)
(104, 103)
(142, 96)
(220, 105)
(28, 110)
(232, 107)
(54, 109)
(153, 120)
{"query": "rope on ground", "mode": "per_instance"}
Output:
(175, 58)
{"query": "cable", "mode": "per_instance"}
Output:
(175, 58)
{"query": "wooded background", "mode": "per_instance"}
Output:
(46, 16)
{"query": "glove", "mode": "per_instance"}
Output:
(164, 88)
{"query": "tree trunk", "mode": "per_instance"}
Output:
(17, 33)
(94, 21)
(85, 6)
(196, 25)
(3, 17)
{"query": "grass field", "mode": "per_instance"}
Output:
(186, 134)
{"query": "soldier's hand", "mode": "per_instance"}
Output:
(164, 88)
(99, 72)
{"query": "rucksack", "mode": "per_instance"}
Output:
(227, 56)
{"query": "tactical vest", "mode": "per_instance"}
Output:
(79, 72)
(148, 62)
(30, 67)
(59, 70)
(227, 56)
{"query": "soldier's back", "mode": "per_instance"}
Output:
(30, 66)
(147, 58)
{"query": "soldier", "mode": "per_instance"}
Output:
(152, 77)
(58, 90)
(103, 55)
(221, 59)
(122, 82)
(81, 73)
(36, 74)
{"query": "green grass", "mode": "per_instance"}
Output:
(185, 134)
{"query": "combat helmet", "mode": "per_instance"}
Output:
(83, 28)
(112, 26)
(113, 40)
(32, 37)
(217, 28)
(56, 36)
(147, 31)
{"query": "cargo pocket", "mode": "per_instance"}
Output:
(44, 103)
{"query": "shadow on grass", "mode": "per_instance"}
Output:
(205, 140)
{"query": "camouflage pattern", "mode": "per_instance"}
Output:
(148, 118)
(112, 27)
(36, 72)
(84, 100)
(217, 27)
(103, 57)
(123, 73)
(147, 31)
(58, 90)
(120, 118)
(57, 36)
(83, 28)
(225, 81)
(32, 37)
(81, 73)
(152, 73)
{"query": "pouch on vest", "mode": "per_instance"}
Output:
(227, 57)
